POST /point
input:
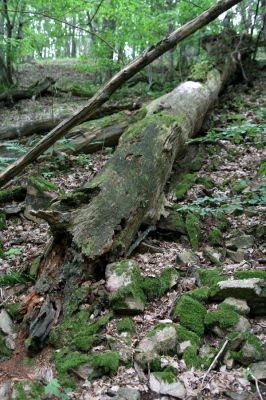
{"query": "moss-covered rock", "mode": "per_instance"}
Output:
(190, 313)
(156, 287)
(14, 310)
(193, 230)
(200, 294)
(215, 237)
(125, 325)
(209, 277)
(124, 283)
(5, 352)
(78, 332)
(251, 349)
(250, 274)
(104, 363)
(205, 181)
(224, 317)
(167, 383)
(65, 360)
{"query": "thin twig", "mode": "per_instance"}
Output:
(96, 11)
(215, 361)
(257, 387)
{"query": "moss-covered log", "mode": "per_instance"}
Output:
(98, 223)
(43, 126)
(40, 87)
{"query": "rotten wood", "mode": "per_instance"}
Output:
(127, 72)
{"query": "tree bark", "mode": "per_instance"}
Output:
(98, 223)
(116, 82)
(35, 90)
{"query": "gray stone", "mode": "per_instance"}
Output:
(127, 394)
(181, 347)
(5, 390)
(213, 255)
(162, 341)
(250, 354)
(6, 324)
(174, 389)
(252, 290)
(240, 242)
(259, 370)
(187, 258)
(236, 256)
(228, 360)
(242, 325)
(240, 306)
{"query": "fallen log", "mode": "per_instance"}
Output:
(43, 126)
(127, 72)
(38, 88)
(98, 223)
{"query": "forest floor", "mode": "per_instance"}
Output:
(228, 180)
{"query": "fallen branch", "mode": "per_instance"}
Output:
(40, 87)
(216, 359)
(127, 72)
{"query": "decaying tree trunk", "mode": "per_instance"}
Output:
(43, 126)
(98, 223)
(127, 72)
(40, 87)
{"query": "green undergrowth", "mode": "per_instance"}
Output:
(13, 278)
(193, 230)
(43, 185)
(104, 363)
(65, 361)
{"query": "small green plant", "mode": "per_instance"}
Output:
(54, 389)
(83, 159)
(200, 69)
(12, 253)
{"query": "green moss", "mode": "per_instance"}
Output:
(190, 313)
(18, 192)
(156, 287)
(2, 221)
(35, 266)
(159, 119)
(43, 185)
(105, 363)
(262, 168)
(77, 331)
(186, 183)
(157, 328)
(28, 391)
(126, 325)
(156, 365)
(14, 310)
(4, 350)
(191, 357)
(209, 277)
(205, 181)
(251, 340)
(215, 237)
(225, 316)
(251, 274)
(193, 230)
(184, 334)
(77, 297)
(200, 294)
(166, 376)
(64, 361)
(239, 187)
(123, 267)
